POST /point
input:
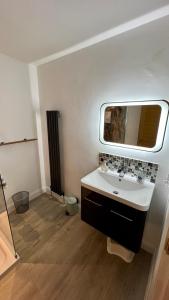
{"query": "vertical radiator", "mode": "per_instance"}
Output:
(54, 150)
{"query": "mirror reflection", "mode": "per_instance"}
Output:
(132, 125)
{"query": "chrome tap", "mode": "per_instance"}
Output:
(140, 175)
(122, 170)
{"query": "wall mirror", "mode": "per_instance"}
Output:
(139, 125)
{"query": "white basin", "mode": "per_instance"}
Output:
(127, 191)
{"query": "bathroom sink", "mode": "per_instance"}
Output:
(125, 190)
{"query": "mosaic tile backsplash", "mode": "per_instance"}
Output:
(132, 166)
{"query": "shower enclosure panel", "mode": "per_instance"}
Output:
(8, 255)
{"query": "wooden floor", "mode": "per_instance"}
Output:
(62, 258)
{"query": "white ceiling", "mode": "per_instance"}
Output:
(33, 29)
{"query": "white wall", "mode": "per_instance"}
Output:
(19, 163)
(133, 66)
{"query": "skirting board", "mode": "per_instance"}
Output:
(148, 247)
(33, 195)
(55, 195)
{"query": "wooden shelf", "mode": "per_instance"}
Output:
(17, 142)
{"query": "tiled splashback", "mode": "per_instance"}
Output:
(132, 165)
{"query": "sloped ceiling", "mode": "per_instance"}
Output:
(33, 29)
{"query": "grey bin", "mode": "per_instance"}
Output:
(71, 205)
(21, 201)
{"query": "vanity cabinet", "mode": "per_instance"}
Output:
(120, 222)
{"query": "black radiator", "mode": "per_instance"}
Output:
(54, 150)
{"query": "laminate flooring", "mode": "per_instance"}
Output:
(63, 258)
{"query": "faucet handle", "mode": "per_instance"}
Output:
(2, 181)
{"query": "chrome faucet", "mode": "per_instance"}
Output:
(140, 175)
(122, 170)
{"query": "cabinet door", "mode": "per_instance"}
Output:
(122, 223)
(120, 228)
(94, 214)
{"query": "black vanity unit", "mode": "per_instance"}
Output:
(122, 223)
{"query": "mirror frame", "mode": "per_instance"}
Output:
(161, 129)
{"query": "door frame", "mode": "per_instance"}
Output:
(153, 283)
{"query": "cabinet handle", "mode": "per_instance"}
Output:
(116, 213)
(98, 204)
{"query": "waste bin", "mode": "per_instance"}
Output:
(21, 201)
(71, 205)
